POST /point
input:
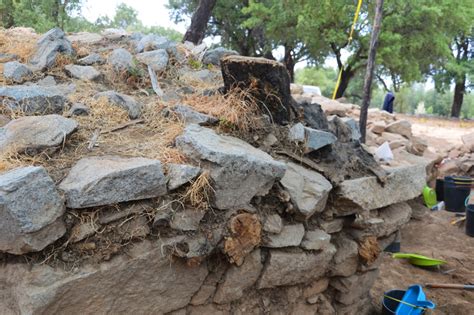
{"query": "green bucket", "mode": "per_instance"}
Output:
(429, 196)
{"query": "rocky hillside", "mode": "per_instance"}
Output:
(142, 175)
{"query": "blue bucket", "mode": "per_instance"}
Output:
(413, 302)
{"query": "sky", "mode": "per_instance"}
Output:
(150, 12)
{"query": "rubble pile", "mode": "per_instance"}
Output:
(290, 217)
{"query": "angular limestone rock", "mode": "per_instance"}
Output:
(48, 47)
(34, 99)
(144, 281)
(96, 181)
(87, 73)
(180, 174)
(269, 80)
(91, 59)
(352, 288)
(238, 279)
(30, 211)
(401, 127)
(187, 220)
(290, 235)
(214, 56)
(346, 260)
(120, 59)
(273, 224)
(16, 72)
(36, 133)
(85, 38)
(316, 139)
(389, 220)
(363, 194)
(124, 101)
(315, 240)
(156, 59)
(308, 189)
(290, 268)
(238, 171)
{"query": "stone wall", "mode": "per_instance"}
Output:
(289, 220)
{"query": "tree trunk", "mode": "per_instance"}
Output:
(7, 14)
(289, 63)
(55, 12)
(346, 77)
(369, 74)
(197, 29)
(459, 90)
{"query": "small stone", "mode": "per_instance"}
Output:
(290, 235)
(47, 81)
(152, 42)
(156, 59)
(4, 120)
(180, 174)
(332, 226)
(313, 299)
(96, 181)
(31, 211)
(331, 107)
(91, 60)
(16, 72)
(346, 259)
(36, 133)
(87, 73)
(316, 139)
(82, 230)
(85, 38)
(114, 33)
(137, 228)
(350, 289)
(187, 220)
(353, 126)
(316, 287)
(297, 133)
(315, 240)
(468, 140)
(190, 116)
(270, 140)
(124, 101)
(121, 60)
(378, 127)
(115, 214)
(79, 109)
(273, 224)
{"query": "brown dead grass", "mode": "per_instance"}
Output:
(369, 250)
(246, 233)
(235, 109)
(200, 192)
(18, 42)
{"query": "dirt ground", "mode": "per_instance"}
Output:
(435, 237)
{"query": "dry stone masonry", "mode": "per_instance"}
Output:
(290, 218)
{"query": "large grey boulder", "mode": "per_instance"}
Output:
(366, 193)
(238, 171)
(36, 133)
(213, 56)
(290, 235)
(290, 268)
(97, 181)
(120, 59)
(91, 59)
(180, 174)
(30, 211)
(48, 47)
(152, 42)
(308, 189)
(239, 278)
(126, 102)
(87, 73)
(190, 116)
(156, 59)
(16, 72)
(143, 281)
(34, 99)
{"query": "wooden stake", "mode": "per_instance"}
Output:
(369, 73)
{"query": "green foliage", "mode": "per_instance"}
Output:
(194, 64)
(324, 78)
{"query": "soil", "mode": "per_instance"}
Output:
(433, 236)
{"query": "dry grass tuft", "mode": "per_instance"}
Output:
(236, 109)
(18, 41)
(200, 192)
